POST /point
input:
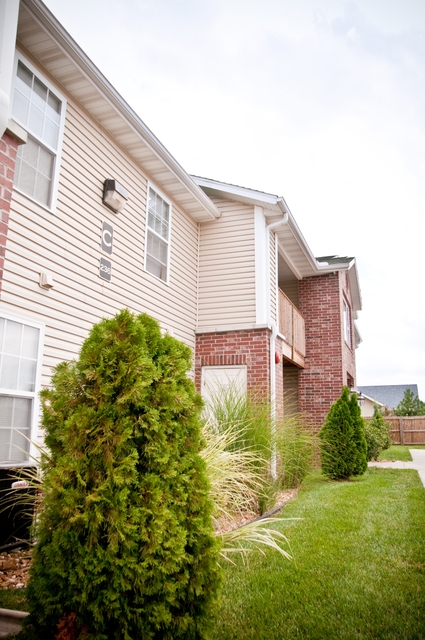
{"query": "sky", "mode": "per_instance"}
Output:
(319, 101)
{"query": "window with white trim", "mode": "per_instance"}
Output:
(347, 323)
(40, 111)
(19, 373)
(158, 236)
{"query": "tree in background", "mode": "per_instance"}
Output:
(342, 441)
(125, 547)
(377, 434)
(410, 405)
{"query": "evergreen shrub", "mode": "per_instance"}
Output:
(125, 547)
(377, 434)
(342, 441)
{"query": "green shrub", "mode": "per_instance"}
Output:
(125, 543)
(377, 434)
(342, 441)
(360, 459)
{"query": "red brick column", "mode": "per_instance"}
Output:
(8, 151)
(249, 347)
(321, 381)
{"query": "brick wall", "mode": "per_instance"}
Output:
(328, 359)
(348, 351)
(8, 151)
(249, 347)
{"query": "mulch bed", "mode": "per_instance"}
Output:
(14, 568)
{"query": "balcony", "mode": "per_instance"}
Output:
(292, 327)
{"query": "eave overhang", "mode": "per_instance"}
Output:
(49, 43)
(292, 243)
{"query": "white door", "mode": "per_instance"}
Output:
(217, 381)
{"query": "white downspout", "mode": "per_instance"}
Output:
(273, 335)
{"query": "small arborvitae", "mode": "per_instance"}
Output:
(342, 442)
(377, 434)
(125, 547)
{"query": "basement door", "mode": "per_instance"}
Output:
(219, 381)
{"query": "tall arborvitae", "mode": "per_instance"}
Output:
(360, 460)
(342, 441)
(125, 547)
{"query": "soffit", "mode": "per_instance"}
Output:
(46, 40)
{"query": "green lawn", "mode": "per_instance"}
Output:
(13, 599)
(358, 571)
(399, 452)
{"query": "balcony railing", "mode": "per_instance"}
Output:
(292, 327)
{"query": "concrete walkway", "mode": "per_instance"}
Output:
(417, 463)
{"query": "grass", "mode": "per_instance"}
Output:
(398, 452)
(358, 569)
(13, 599)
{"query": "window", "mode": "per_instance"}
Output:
(158, 236)
(347, 324)
(19, 369)
(38, 109)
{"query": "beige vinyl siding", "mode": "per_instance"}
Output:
(227, 267)
(273, 277)
(66, 243)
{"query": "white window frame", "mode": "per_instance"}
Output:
(57, 153)
(347, 323)
(34, 395)
(149, 230)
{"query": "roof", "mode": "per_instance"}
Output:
(334, 260)
(51, 45)
(292, 244)
(388, 394)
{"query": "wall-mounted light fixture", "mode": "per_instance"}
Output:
(114, 195)
(360, 396)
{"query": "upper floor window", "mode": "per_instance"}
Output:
(158, 235)
(19, 374)
(38, 109)
(347, 323)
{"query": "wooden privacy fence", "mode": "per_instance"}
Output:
(407, 429)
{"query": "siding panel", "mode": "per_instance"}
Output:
(227, 267)
(66, 243)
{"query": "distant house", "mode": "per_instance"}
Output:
(385, 395)
(367, 404)
(223, 268)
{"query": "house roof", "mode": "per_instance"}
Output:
(292, 243)
(334, 260)
(50, 44)
(374, 400)
(388, 394)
